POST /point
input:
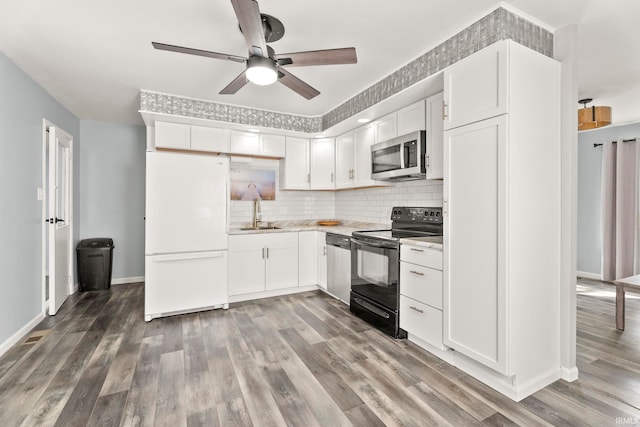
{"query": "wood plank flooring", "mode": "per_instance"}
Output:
(299, 360)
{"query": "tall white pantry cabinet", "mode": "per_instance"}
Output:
(501, 206)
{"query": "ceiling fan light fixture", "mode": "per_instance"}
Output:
(261, 71)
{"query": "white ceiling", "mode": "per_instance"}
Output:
(94, 57)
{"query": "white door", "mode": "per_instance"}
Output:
(59, 218)
(474, 257)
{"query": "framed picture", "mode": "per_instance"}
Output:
(251, 184)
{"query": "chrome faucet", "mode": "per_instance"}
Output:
(257, 213)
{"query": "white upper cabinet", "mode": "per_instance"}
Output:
(411, 118)
(322, 164)
(363, 139)
(476, 87)
(272, 145)
(345, 161)
(386, 127)
(353, 158)
(435, 134)
(210, 139)
(294, 168)
(172, 135)
(245, 142)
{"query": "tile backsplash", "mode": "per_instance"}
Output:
(374, 204)
(367, 204)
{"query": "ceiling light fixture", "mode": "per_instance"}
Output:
(593, 117)
(261, 71)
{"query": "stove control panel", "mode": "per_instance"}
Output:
(417, 215)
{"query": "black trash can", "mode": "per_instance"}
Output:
(95, 263)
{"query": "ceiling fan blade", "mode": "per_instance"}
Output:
(199, 52)
(235, 85)
(248, 14)
(297, 85)
(345, 55)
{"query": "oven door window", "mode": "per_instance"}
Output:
(373, 266)
(374, 273)
(387, 159)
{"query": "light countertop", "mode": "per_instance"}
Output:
(433, 242)
(346, 228)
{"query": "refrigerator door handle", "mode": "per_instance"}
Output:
(186, 256)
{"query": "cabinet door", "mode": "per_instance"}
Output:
(307, 258)
(385, 128)
(172, 135)
(322, 164)
(294, 169)
(282, 260)
(345, 161)
(272, 145)
(322, 259)
(245, 142)
(411, 118)
(435, 135)
(247, 256)
(475, 88)
(210, 139)
(474, 209)
(363, 140)
(421, 321)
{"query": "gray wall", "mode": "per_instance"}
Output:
(23, 105)
(112, 178)
(589, 171)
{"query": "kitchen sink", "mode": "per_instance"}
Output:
(260, 227)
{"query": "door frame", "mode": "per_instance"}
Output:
(43, 196)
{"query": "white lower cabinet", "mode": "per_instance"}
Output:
(322, 259)
(262, 262)
(307, 258)
(421, 294)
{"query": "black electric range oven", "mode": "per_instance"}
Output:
(375, 266)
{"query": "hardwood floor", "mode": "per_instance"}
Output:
(298, 360)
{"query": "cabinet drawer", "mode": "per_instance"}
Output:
(420, 255)
(421, 321)
(421, 283)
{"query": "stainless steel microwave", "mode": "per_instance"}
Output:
(400, 158)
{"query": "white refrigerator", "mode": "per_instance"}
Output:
(185, 233)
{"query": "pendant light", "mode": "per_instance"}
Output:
(593, 117)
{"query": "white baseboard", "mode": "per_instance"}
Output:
(15, 338)
(124, 280)
(587, 275)
(569, 374)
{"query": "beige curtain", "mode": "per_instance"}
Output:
(620, 212)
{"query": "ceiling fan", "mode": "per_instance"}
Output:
(263, 66)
